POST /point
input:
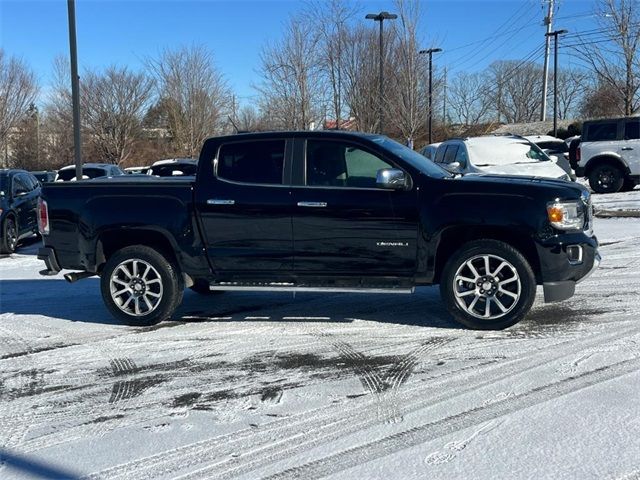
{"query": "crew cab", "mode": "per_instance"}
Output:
(321, 211)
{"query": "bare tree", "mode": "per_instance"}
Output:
(602, 100)
(405, 98)
(572, 85)
(114, 103)
(57, 131)
(331, 46)
(516, 91)
(616, 59)
(361, 76)
(18, 89)
(469, 97)
(292, 88)
(194, 93)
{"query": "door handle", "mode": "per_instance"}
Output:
(626, 148)
(217, 201)
(313, 204)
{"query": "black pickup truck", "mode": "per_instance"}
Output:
(321, 211)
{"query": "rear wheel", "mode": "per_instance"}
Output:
(140, 287)
(9, 239)
(606, 178)
(488, 285)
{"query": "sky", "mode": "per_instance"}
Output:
(125, 32)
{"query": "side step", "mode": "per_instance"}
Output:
(291, 287)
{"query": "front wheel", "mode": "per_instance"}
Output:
(140, 287)
(488, 285)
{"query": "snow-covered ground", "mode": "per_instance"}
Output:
(254, 385)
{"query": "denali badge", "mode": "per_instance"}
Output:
(392, 244)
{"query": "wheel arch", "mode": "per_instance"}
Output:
(453, 238)
(110, 241)
(608, 159)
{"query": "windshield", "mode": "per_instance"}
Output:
(173, 169)
(497, 151)
(412, 158)
(90, 172)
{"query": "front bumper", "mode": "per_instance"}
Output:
(48, 255)
(561, 269)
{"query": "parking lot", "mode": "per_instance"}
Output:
(253, 385)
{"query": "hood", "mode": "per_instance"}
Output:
(536, 168)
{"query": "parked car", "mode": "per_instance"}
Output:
(89, 170)
(430, 150)
(497, 154)
(136, 170)
(556, 149)
(321, 211)
(44, 176)
(174, 167)
(609, 154)
(19, 193)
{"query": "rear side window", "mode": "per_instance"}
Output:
(599, 132)
(632, 130)
(252, 162)
(450, 154)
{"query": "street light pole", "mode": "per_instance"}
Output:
(555, 78)
(381, 17)
(430, 52)
(75, 87)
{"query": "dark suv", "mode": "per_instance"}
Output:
(19, 193)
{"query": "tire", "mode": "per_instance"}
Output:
(628, 185)
(9, 239)
(509, 289)
(141, 297)
(606, 178)
(201, 287)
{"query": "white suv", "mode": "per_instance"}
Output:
(609, 154)
(499, 155)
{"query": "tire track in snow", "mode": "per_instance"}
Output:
(289, 436)
(361, 454)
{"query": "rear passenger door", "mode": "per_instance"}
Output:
(344, 227)
(244, 206)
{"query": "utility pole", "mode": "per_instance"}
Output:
(430, 52)
(75, 87)
(381, 17)
(548, 21)
(555, 77)
(444, 99)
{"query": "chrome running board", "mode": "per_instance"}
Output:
(290, 287)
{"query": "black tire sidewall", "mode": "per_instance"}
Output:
(616, 184)
(5, 246)
(505, 251)
(171, 284)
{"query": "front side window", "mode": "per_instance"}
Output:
(599, 132)
(632, 130)
(461, 156)
(252, 162)
(339, 164)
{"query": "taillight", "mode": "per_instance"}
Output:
(578, 154)
(43, 217)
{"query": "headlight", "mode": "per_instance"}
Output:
(565, 177)
(566, 215)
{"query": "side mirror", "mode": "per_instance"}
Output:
(393, 179)
(454, 167)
